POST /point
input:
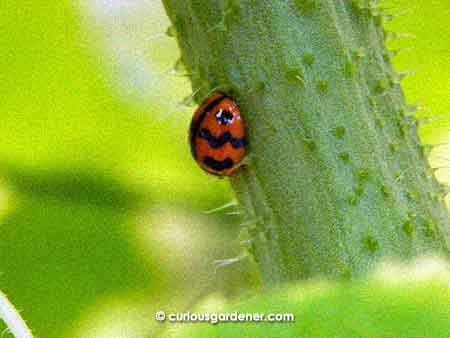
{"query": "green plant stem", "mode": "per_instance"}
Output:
(336, 178)
(12, 319)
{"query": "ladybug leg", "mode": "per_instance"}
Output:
(241, 165)
(246, 161)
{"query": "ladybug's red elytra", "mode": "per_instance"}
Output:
(217, 135)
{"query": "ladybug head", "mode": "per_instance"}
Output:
(224, 117)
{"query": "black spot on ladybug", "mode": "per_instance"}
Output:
(217, 142)
(224, 117)
(218, 165)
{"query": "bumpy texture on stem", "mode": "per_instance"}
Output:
(336, 177)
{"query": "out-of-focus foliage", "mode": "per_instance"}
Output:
(101, 205)
(422, 48)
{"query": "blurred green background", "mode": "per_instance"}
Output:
(102, 209)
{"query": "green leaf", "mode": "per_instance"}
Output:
(395, 303)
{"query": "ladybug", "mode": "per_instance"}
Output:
(217, 135)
